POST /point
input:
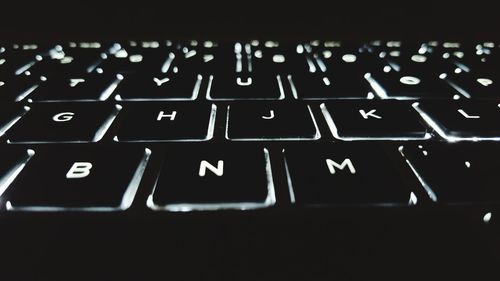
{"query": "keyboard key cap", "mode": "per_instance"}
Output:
(347, 174)
(212, 178)
(79, 60)
(337, 86)
(79, 178)
(135, 61)
(428, 63)
(254, 87)
(462, 120)
(477, 63)
(71, 64)
(204, 62)
(16, 62)
(91, 87)
(270, 121)
(349, 62)
(281, 60)
(375, 119)
(166, 122)
(401, 85)
(16, 88)
(476, 86)
(68, 122)
(464, 173)
(159, 87)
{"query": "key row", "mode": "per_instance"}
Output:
(347, 120)
(245, 57)
(313, 69)
(194, 177)
(261, 86)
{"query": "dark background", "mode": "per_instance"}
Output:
(288, 244)
(249, 19)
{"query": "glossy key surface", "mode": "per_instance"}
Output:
(70, 122)
(212, 178)
(175, 121)
(462, 173)
(346, 174)
(78, 178)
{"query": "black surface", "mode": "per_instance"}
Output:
(275, 19)
(469, 175)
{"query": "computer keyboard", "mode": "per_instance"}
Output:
(165, 126)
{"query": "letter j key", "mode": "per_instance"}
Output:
(270, 121)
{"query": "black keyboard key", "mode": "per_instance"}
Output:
(254, 87)
(136, 61)
(347, 174)
(462, 120)
(16, 88)
(159, 87)
(77, 61)
(91, 87)
(68, 122)
(66, 66)
(281, 60)
(270, 121)
(474, 63)
(464, 173)
(376, 119)
(166, 122)
(476, 86)
(337, 86)
(79, 178)
(199, 62)
(16, 62)
(212, 178)
(427, 63)
(13, 161)
(349, 62)
(401, 85)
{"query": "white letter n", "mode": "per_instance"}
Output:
(219, 171)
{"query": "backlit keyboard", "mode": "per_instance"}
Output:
(201, 125)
